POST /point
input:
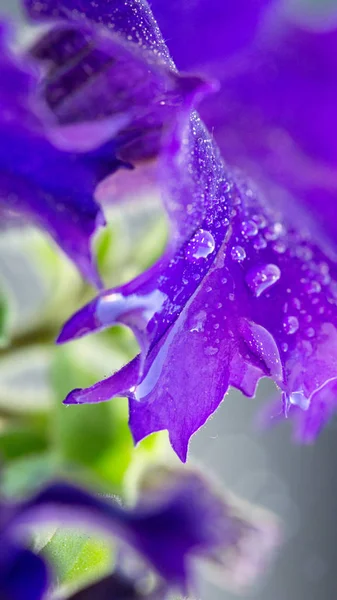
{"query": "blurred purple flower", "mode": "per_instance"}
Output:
(183, 520)
(69, 118)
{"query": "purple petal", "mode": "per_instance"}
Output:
(23, 575)
(248, 293)
(53, 188)
(87, 82)
(226, 27)
(116, 587)
(168, 527)
(63, 128)
(262, 117)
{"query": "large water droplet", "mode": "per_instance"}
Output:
(260, 278)
(238, 253)
(201, 245)
(299, 399)
(290, 325)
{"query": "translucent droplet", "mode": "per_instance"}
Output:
(313, 287)
(238, 253)
(274, 231)
(249, 228)
(198, 321)
(260, 278)
(290, 325)
(260, 243)
(310, 332)
(297, 303)
(299, 399)
(211, 351)
(279, 247)
(201, 245)
(284, 347)
(260, 221)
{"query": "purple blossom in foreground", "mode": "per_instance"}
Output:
(184, 520)
(250, 290)
(69, 118)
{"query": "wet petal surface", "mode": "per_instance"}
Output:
(248, 294)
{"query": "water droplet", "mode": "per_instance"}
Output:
(304, 253)
(284, 347)
(249, 228)
(279, 247)
(238, 253)
(290, 325)
(260, 243)
(198, 321)
(313, 287)
(297, 303)
(260, 278)
(210, 351)
(299, 399)
(260, 221)
(274, 231)
(201, 245)
(310, 332)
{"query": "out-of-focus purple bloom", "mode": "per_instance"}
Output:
(69, 118)
(250, 291)
(23, 575)
(117, 587)
(170, 527)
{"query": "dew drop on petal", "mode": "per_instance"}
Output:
(238, 253)
(310, 332)
(201, 245)
(299, 399)
(249, 228)
(313, 287)
(290, 325)
(211, 351)
(260, 221)
(260, 278)
(279, 247)
(260, 243)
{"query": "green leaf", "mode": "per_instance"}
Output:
(4, 321)
(77, 556)
(93, 436)
(24, 385)
(18, 440)
(26, 475)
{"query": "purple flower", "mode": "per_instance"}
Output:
(250, 290)
(169, 528)
(117, 587)
(69, 118)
